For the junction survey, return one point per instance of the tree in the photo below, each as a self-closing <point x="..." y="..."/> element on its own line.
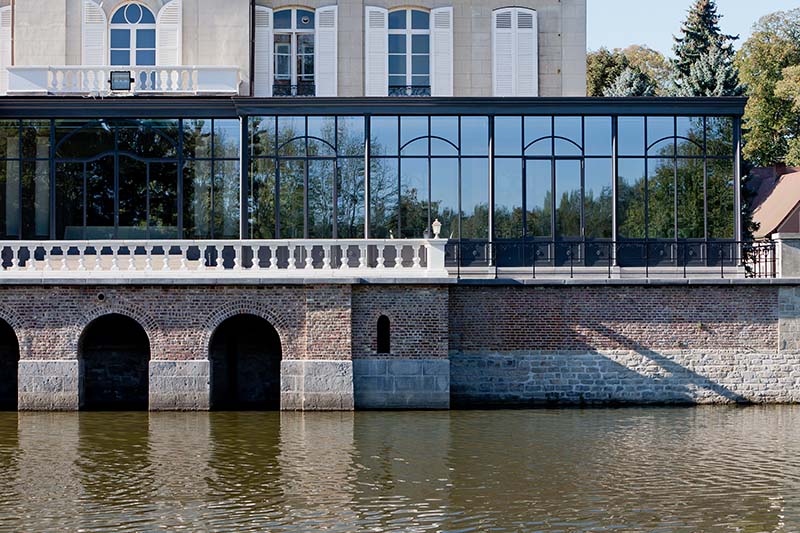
<point x="771" y="121"/>
<point x="653" y="64"/>
<point x="788" y="89"/>
<point x="603" y="67"/>
<point x="632" y="82"/>
<point x="714" y="74"/>
<point x="700" y="32"/>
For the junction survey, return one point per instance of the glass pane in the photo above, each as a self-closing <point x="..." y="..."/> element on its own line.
<point x="351" y="136"/>
<point x="197" y="138"/>
<point x="538" y="198"/>
<point x="283" y="19"/>
<point x="475" y="136"/>
<point x="147" y="17"/>
<point x="631" y="192"/>
<point x="163" y="200"/>
<point x="397" y="64"/>
<point x="350" y="198"/>
<point x="35" y="199"/>
<point x="719" y="132"/>
<point x="414" y="128"/>
<point x="413" y="197"/>
<point x="305" y="19"/>
<point x="420" y="44"/>
<point x="226" y="200"/>
<point x="397" y="44"/>
<point x="385" y="135"/>
<point x="292" y="199"/>
<point x="100" y="199"/>
<point x="35" y="139"/>
<point x="690" y="136"/>
<point x="661" y="198"/>
<point x="508" y="198"/>
<point x="122" y="38"/>
<point x="69" y="200"/>
<point x="421" y="81"/>
<point x="226" y="138"/>
<point x="631" y="136"/>
<point x="121" y="57"/>
<point x="10" y="191"/>
<point x="475" y="199"/>
<point x="197" y="199"/>
<point x="397" y="20"/>
<point x="598" y="135"/>
<point x="569" y="130"/>
<point x="691" y="199"/>
<point x="119" y="17"/>
<point x="262" y="199"/>
<point x="9" y="138"/>
<point x="538" y="133"/>
<point x="148" y="138"/>
<point x="262" y="136"/>
<point x="397" y="81"/>
<point x="291" y="136"/>
<point x="508" y="135"/>
<point x="323" y="129"/>
<point x="721" y="212"/>
<point x="420" y="64"/>
<point x="444" y="195"/>
<point x="79" y="139"/>
<point x="420" y="20"/>
<point x="384" y="196"/>
<point x="132" y="199"/>
<point x="598" y="198"/>
<point x="145" y="39"/>
<point x="133" y="14"/>
<point x="446" y="128"/>
<point x="568" y="198"/>
<point x="660" y="131"/>
<point x="320" y="199"/>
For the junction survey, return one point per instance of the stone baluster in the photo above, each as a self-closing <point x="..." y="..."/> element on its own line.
<point x="184" y="255"/>
<point x="220" y="266"/>
<point x="203" y="249"/>
<point x="165" y="263"/>
<point x="148" y="258"/>
<point x="30" y="265"/>
<point x="362" y="258"/>
<point x="273" y="257"/>
<point x="131" y="258"/>
<point x="398" y="257"/>
<point x="82" y="257"/>
<point x="114" y="257"/>
<point x="98" y="257"/>
<point x="64" y="255"/>
<point x="237" y="257"/>
<point x="292" y="259"/>
<point x="417" y="259"/>
<point x="345" y="257"/>
<point x="309" y="258"/>
<point x="48" y="253"/>
<point x="256" y="257"/>
<point x="326" y="257"/>
<point x="14" y="257"/>
<point x="381" y="259"/>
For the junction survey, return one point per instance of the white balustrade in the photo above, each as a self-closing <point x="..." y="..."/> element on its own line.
<point x="221" y="259"/>
<point x="91" y="80"/>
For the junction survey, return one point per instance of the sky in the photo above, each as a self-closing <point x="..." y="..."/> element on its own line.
<point x="620" y="23"/>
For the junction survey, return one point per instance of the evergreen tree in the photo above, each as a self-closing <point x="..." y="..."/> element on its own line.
<point x="632" y="82"/>
<point x="713" y="74"/>
<point x="603" y="67"/>
<point x="700" y="32"/>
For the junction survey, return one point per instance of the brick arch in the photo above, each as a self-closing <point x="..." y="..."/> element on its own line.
<point x="134" y="312"/>
<point x="281" y="324"/>
<point x="18" y="326"/>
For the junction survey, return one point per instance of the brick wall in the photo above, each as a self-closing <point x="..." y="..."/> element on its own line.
<point x="632" y="317"/>
<point x="418" y="318"/>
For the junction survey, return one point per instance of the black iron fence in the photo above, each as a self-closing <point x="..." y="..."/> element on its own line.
<point x="409" y="90"/>
<point x="301" y="89"/>
<point x="603" y="258"/>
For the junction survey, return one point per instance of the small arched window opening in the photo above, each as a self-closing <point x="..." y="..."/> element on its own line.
<point x="384" y="335"/>
<point x="133" y="36"/>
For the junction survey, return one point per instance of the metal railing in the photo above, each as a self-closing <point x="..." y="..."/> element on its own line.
<point x="301" y="89"/>
<point x="624" y="259"/>
<point x="400" y="258"/>
<point x="409" y="90"/>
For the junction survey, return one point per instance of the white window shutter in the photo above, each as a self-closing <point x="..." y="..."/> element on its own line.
<point x="5" y="47"/>
<point x="442" y="52"/>
<point x="94" y="31"/>
<point x="326" y="51"/>
<point x="527" y="53"/>
<point x="169" y="38"/>
<point x="503" y="64"/>
<point x="376" y="52"/>
<point x="263" y="53"/>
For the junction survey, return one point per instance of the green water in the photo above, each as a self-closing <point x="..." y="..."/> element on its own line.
<point x="703" y="469"/>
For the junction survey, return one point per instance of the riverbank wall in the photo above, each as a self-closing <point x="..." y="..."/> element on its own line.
<point x="400" y="344"/>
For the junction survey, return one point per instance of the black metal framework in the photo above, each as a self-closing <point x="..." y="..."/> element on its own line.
<point x="410" y="90"/>
<point x="247" y="163"/>
<point x="301" y="89"/>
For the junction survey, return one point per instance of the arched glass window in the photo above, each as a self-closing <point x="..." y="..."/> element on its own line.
<point x="133" y="36"/>
<point x="294" y="52"/>
<point x="409" y="53"/>
<point x="384" y="335"/>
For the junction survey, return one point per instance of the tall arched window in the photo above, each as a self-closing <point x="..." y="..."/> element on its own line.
<point x="384" y="335"/>
<point x="409" y="53"/>
<point x="133" y="36"/>
<point x="294" y="52"/>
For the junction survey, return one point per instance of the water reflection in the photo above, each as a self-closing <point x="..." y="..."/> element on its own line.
<point x="720" y="469"/>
